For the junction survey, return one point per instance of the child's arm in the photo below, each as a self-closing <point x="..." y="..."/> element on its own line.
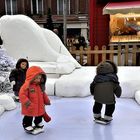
<point x="46" y="99"/>
<point x="12" y="76"/>
<point x="24" y="97"/>
<point x="118" y="90"/>
<point x="92" y="85"/>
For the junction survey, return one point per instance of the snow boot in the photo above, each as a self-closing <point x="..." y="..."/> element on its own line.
<point x="101" y="121"/>
<point x="29" y="129"/>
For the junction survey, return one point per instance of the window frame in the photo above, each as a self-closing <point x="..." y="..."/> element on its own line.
<point x="61" y="3"/>
<point x="11" y="11"/>
<point x="37" y="10"/>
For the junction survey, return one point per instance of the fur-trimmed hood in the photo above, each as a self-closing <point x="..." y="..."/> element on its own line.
<point x="32" y="72"/>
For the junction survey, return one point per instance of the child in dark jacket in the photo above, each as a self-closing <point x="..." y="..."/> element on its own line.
<point x="17" y="76"/>
<point x="104" y="88"/>
<point x="33" y="100"/>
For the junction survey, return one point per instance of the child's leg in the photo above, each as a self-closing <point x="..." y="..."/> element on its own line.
<point x="38" y="125"/>
<point x="38" y="121"/>
<point x="97" y="110"/>
<point x="27" y="123"/>
<point x="109" y="111"/>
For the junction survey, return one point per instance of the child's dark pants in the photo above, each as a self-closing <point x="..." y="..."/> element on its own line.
<point x="109" y="109"/>
<point x="27" y="121"/>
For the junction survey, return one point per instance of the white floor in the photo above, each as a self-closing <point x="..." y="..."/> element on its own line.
<point x="72" y="119"/>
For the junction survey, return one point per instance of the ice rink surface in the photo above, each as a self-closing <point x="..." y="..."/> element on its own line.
<point x="72" y="119"/>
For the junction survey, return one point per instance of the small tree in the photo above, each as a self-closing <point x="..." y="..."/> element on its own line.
<point x="6" y="64"/>
<point x="49" y="24"/>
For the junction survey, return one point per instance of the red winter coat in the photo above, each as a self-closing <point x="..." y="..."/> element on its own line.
<point x="32" y="97"/>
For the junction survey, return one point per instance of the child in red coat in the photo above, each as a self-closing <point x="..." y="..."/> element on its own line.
<point x="33" y="100"/>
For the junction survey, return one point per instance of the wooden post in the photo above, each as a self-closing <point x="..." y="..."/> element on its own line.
<point x="88" y="56"/>
<point x="103" y="53"/>
<point x="126" y="55"/>
<point x="111" y="54"/>
<point x="134" y="55"/>
<point x="96" y="57"/>
<point x="78" y="54"/>
<point x="81" y="55"/>
<point x="119" y="55"/>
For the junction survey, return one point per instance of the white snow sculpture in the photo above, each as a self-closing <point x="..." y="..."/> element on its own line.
<point x="7" y="102"/>
<point x="129" y="78"/>
<point x="137" y="96"/>
<point x="22" y="37"/>
<point x="75" y="84"/>
<point x="1" y="110"/>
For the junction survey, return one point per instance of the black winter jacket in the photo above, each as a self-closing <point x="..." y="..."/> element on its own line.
<point x="18" y="75"/>
<point x="105" y="84"/>
<point x="104" y="88"/>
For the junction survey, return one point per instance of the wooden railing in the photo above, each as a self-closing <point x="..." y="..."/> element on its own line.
<point x="122" y="55"/>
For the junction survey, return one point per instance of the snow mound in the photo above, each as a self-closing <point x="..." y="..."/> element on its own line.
<point x="33" y="42"/>
<point x="75" y="84"/>
<point x="59" y="67"/>
<point x="137" y="96"/>
<point x="7" y="102"/>
<point x="1" y="110"/>
<point x="129" y="78"/>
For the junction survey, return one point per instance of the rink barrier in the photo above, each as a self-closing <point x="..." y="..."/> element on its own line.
<point x="122" y="55"/>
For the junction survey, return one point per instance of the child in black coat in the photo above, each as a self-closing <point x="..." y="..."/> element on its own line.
<point x="18" y="75"/>
<point x="104" y="88"/>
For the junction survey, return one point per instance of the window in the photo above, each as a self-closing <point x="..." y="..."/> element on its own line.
<point x="11" y="7"/>
<point x="37" y="6"/>
<point x="60" y="6"/>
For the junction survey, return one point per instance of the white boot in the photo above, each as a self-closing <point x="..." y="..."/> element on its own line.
<point x="108" y="118"/>
<point x="37" y="130"/>
<point x="96" y="116"/>
<point x="29" y="129"/>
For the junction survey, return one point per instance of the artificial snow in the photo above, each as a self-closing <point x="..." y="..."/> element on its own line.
<point x="7" y="102"/>
<point x="1" y="110"/>
<point x="55" y="67"/>
<point x="129" y="78"/>
<point x="50" y="86"/>
<point x="34" y="42"/>
<point x="137" y="96"/>
<point x="77" y="83"/>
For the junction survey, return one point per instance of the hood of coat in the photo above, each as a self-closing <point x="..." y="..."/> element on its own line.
<point x="106" y="67"/>
<point x="113" y="65"/>
<point x="32" y="72"/>
<point x="20" y="61"/>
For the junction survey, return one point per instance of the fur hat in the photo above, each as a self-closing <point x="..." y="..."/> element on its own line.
<point x="106" y="67"/>
<point x="113" y="65"/>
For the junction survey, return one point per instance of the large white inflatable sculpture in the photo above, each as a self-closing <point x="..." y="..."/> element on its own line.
<point x="22" y="37"/>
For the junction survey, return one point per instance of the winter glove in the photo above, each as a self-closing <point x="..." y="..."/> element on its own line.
<point x="13" y="83"/>
<point x="46" y="117"/>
